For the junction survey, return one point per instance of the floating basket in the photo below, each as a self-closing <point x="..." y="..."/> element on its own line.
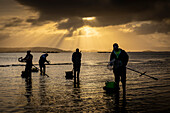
<point x="35" y="69"/>
<point x="69" y="74"/>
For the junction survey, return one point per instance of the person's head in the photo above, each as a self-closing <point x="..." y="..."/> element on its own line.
<point x="46" y="54"/>
<point x="29" y="51"/>
<point x="116" y="46"/>
<point x="77" y="50"/>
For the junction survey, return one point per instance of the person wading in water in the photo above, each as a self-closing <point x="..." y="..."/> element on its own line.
<point x="42" y="63"/>
<point x="76" y="59"/>
<point x="28" y="59"/>
<point x="119" y="59"/>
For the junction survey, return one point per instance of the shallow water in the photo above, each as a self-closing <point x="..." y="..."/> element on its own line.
<point x="56" y="94"/>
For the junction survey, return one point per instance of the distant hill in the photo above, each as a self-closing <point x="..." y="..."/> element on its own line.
<point x="148" y="51"/>
<point x="103" y="52"/>
<point x="33" y="49"/>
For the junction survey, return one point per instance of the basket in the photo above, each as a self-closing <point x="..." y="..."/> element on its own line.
<point x="35" y="69"/>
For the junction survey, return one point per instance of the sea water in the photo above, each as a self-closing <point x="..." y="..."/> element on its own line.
<point x="56" y="94"/>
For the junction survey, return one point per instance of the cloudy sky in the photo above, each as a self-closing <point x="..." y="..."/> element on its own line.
<point x="136" y="25"/>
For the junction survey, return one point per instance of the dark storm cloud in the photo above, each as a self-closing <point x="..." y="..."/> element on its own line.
<point x="35" y="22"/>
<point x="160" y="27"/>
<point x="12" y="22"/>
<point x="71" y="25"/>
<point x="107" y="12"/>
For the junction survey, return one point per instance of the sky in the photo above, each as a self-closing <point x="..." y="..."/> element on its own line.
<point x="90" y="25"/>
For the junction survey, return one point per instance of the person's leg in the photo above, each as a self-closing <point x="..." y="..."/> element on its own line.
<point x="74" y="67"/>
<point x="40" y="65"/>
<point x="28" y="70"/>
<point x="78" y="72"/>
<point x="123" y="80"/>
<point x="124" y="88"/>
<point x="117" y="78"/>
<point x="44" y="69"/>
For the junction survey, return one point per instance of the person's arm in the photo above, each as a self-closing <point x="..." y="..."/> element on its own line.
<point x="25" y="58"/>
<point x="125" y="59"/>
<point x="112" y="59"/>
<point x="47" y="61"/>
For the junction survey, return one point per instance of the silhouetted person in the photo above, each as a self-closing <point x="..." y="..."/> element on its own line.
<point x="42" y="63"/>
<point x="119" y="59"/>
<point x="76" y="59"/>
<point x="28" y="59"/>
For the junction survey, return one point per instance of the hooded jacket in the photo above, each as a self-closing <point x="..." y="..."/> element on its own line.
<point x="122" y="57"/>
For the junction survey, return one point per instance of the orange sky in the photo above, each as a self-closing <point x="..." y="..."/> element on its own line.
<point x="19" y="28"/>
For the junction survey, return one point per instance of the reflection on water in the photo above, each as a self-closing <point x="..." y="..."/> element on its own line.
<point x="77" y="83"/>
<point x="28" y="88"/>
<point x="114" y="103"/>
<point x="56" y="94"/>
<point x="28" y="94"/>
<point x="76" y="98"/>
<point x="42" y="91"/>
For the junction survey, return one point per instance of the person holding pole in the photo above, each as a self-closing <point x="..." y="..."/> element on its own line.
<point x="42" y="63"/>
<point x="76" y="59"/>
<point x="119" y="59"/>
<point x="28" y="59"/>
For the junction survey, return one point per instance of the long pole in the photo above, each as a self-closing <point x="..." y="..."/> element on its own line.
<point x="35" y="66"/>
<point x="38" y="69"/>
<point x="142" y="73"/>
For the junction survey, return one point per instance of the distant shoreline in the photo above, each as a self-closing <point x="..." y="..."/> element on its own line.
<point x="56" y="50"/>
<point x="33" y="49"/>
<point x="135" y="51"/>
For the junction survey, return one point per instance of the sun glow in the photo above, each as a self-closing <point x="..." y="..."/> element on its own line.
<point x="89" y="18"/>
<point x="86" y="31"/>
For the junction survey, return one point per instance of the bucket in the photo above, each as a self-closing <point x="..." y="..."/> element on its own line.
<point x="110" y="84"/>
<point x="69" y="74"/>
<point x="23" y="74"/>
<point x="110" y="87"/>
